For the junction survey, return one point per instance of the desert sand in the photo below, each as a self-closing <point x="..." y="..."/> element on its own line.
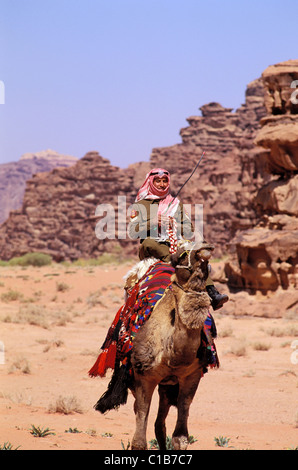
<point x="53" y="321"/>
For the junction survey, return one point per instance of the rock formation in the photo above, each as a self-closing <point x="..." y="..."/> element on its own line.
<point x="247" y="183"/>
<point x="265" y="256"/>
<point x="54" y="158"/>
<point x="280" y="126"/>
<point x="57" y="216"/>
<point x="229" y="173"/>
<point x="13" y="176"/>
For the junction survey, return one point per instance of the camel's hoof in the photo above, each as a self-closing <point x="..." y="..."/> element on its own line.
<point x="138" y="446"/>
<point x="180" y="443"/>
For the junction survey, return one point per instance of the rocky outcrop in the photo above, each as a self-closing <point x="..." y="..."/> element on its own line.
<point x="265" y="257"/>
<point x="230" y="174"/>
<point x="13" y="176"/>
<point x="280" y="125"/>
<point x="58" y="212"/>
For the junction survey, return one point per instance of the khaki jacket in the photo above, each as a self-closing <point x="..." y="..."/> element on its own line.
<point x="143" y="215"/>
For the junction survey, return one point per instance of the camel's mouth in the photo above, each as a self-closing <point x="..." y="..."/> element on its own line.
<point x="205" y="254"/>
<point x="205" y="251"/>
<point x="192" y="253"/>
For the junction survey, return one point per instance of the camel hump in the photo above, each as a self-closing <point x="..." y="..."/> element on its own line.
<point x="142" y="269"/>
<point x="136" y="273"/>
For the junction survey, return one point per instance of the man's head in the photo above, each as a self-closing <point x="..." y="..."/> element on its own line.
<point x="156" y="185"/>
<point x="159" y="179"/>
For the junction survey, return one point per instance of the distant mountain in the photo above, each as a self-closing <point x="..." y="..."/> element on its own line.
<point x="55" y="158"/>
<point x="13" y="176"/>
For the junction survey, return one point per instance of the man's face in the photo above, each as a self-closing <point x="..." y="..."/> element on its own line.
<point x="161" y="183"/>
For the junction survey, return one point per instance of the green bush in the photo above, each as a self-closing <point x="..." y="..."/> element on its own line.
<point x="11" y="296"/>
<point x="106" y="258"/>
<point x="31" y="259"/>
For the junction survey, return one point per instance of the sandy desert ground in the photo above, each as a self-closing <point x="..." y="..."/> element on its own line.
<point x="53" y="321"/>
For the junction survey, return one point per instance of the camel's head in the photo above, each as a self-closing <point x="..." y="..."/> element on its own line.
<point x="191" y="264"/>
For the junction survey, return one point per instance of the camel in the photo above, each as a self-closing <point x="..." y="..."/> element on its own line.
<point x="166" y="349"/>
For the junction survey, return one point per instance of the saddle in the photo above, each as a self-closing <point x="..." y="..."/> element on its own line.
<point x="145" y="285"/>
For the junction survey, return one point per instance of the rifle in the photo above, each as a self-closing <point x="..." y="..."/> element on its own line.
<point x="186" y="181"/>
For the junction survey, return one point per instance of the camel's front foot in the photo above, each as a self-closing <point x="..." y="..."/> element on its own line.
<point x="138" y="444"/>
<point x="180" y="442"/>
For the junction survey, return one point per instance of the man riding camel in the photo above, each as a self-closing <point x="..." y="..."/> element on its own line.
<point x="160" y="222"/>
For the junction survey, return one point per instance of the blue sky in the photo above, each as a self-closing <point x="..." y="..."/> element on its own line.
<point x="122" y="76"/>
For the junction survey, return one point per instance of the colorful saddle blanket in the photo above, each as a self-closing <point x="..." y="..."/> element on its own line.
<point x="134" y="313"/>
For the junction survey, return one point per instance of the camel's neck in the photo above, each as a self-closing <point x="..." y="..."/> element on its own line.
<point x="191" y="310"/>
<point x="192" y="304"/>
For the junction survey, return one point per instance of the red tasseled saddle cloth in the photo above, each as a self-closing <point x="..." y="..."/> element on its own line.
<point x="133" y="314"/>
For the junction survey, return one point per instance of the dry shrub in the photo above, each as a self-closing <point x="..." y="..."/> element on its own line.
<point x="238" y="350"/>
<point x="66" y="406"/>
<point x="62" y="286"/>
<point x="20" y="364"/>
<point x="11" y="296"/>
<point x="39" y="316"/>
<point x="95" y="298"/>
<point x="259" y="346"/>
<point x="226" y="332"/>
<point x="278" y="332"/>
<point x="33" y="315"/>
<point x="56" y="343"/>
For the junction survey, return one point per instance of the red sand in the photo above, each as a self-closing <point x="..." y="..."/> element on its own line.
<point x="251" y="399"/>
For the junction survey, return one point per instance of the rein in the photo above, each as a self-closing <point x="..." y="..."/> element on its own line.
<point x="187" y="291"/>
<point x="175" y="282"/>
<point x="189" y="266"/>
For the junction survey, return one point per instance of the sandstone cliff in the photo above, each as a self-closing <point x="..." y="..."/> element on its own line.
<point x="57" y="215"/>
<point x="13" y="176"/>
<point x="265" y="256"/>
<point x="229" y="174"/>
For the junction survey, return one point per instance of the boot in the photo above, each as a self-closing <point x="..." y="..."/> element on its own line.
<point x="217" y="299"/>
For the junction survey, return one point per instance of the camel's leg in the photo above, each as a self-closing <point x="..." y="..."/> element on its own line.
<point x="160" y="423"/>
<point x="187" y="391"/>
<point x="143" y="394"/>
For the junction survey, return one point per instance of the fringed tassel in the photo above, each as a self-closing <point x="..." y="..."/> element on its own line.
<point x="99" y="367"/>
<point x="210" y="333"/>
<point x="111" y="356"/>
<point x="172" y="232"/>
<point x="116" y="393"/>
<point x="106" y="360"/>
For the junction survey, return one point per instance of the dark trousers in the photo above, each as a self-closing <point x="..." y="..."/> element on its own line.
<point x="160" y="250"/>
